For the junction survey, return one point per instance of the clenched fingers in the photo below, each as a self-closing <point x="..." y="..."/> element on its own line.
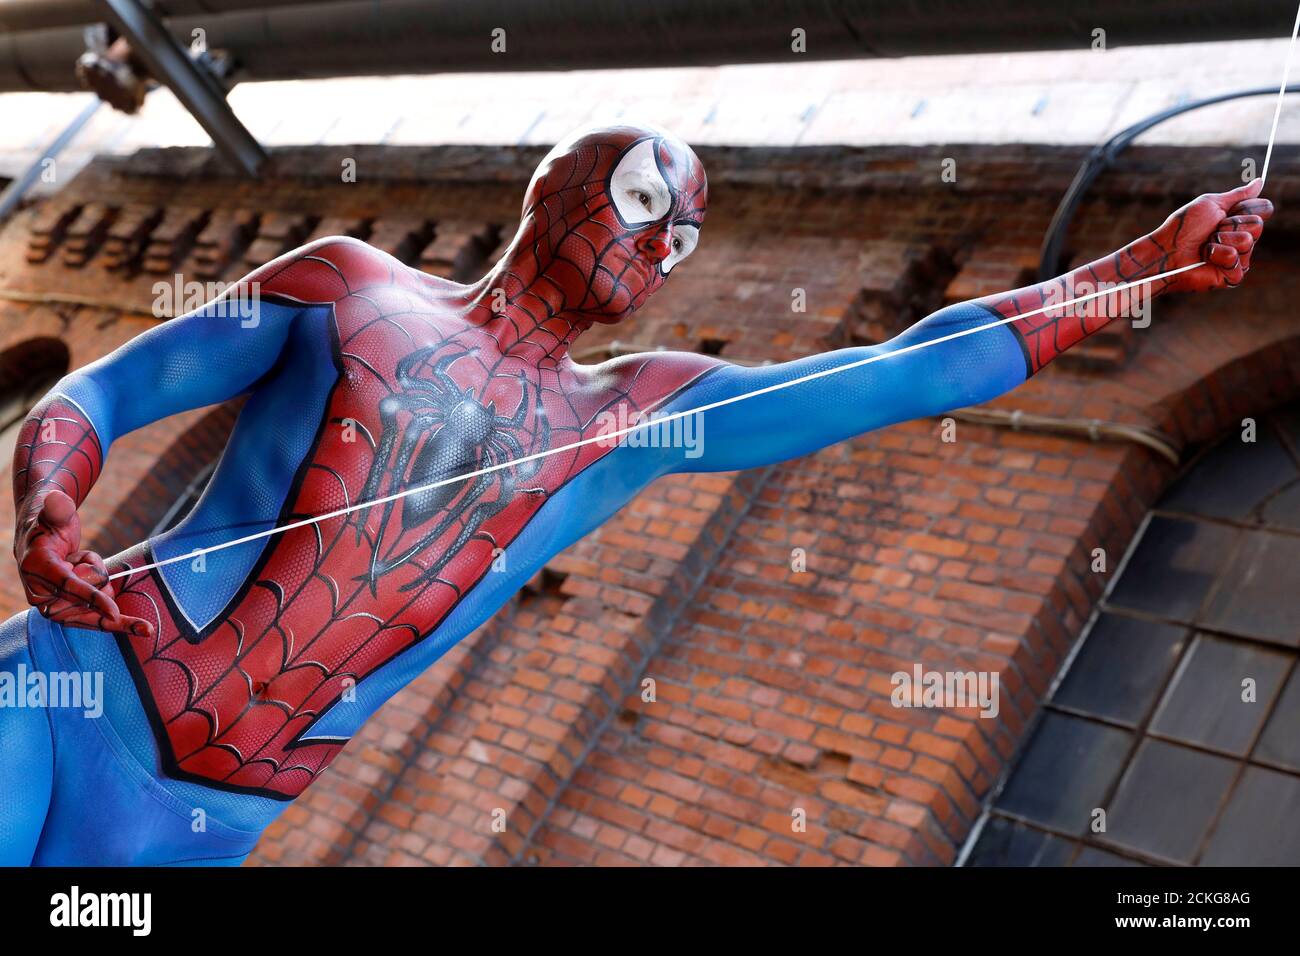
<point x="1253" y="207"/>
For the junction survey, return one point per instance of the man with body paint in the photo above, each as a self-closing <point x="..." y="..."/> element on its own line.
<point x="234" y="675"/>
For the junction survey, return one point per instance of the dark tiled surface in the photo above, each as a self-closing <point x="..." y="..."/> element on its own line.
<point x="1260" y="827"/>
<point x="1283" y="509"/>
<point x="1167" y="800"/>
<point x="1204" y="704"/>
<point x="1121" y="668"/>
<point x="1094" y="856"/>
<point x="1009" y="843"/>
<point x="1281" y="741"/>
<point x="1231" y="479"/>
<point x="1174" y="566"/>
<point x="1259" y="593"/>
<point x="1220" y="553"/>
<point x="1065" y="773"/>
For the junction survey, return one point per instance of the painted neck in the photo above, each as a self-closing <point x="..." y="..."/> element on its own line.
<point x="533" y="321"/>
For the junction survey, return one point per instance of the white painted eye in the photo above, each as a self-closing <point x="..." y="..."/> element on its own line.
<point x="685" y="238"/>
<point x="637" y="187"/>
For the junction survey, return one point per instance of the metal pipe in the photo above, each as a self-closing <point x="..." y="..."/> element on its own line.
<point x="1094" y="429"/>
<point x="377" y="37"/>
<point x="423" y="36"/>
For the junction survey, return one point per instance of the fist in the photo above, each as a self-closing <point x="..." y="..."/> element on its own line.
<point x="1219" y="229"/>
<point x="64" y="582"/>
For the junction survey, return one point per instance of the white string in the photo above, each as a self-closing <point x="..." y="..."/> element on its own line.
<point x="655" y="422"/>
<point x="1281" y="94"/>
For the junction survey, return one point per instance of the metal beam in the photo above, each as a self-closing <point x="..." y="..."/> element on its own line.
<point x="282" y="40"/>
<point x="197" y="89"/>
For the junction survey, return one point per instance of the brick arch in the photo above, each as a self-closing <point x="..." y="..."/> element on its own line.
<point x="1250" y="372"/>
<point x="1201" y="387"/>
<point x="1244" y="385"/>
<point x="1261" y="385"/>
<point x="31" y="360"/>
<point x="168" y="479"/>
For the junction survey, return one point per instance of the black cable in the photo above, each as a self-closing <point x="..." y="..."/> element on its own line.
<point x="1102" y="157"/>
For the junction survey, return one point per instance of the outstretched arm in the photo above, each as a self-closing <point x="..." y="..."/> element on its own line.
<point x="926" y="379"/>
<point x="210" y="355"/>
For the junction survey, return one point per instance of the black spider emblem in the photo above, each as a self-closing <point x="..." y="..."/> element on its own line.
<point x="449" y="433"/>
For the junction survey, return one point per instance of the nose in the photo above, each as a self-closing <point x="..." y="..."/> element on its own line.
<point x="658" y="243"/>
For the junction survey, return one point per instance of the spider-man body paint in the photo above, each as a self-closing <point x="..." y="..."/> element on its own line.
<point x="235" y="682"/>
<point x="416" y="401"/>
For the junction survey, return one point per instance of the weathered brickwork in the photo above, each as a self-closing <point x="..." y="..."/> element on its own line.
<point x="771" y="690"/>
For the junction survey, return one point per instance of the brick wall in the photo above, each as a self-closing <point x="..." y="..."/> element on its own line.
<point x="771" y="685"/>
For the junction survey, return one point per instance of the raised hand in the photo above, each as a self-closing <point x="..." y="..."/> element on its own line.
<point x="63" y="581"/>
<point x="1219" y="229"/>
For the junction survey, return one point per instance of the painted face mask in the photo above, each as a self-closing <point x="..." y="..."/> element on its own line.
<point x="608" y="215"/>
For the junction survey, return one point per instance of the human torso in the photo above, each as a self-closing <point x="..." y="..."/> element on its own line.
<point x="414" y="394"/>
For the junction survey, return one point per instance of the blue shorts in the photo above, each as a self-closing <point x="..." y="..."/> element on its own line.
<point x="71" y="792"/>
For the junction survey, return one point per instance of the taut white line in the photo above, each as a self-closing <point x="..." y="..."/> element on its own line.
<point x="1281" y="94"/>
<point x="610" y="436"/>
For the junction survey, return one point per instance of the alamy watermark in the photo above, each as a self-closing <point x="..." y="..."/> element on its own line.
<point x="1109" y="301"/>
<point x="634" y="429"/>
<point x="223" y="300"/>
<point x="133" y="911"/>
<point x="76" y="690"/>
<point x="946" y="689"/>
